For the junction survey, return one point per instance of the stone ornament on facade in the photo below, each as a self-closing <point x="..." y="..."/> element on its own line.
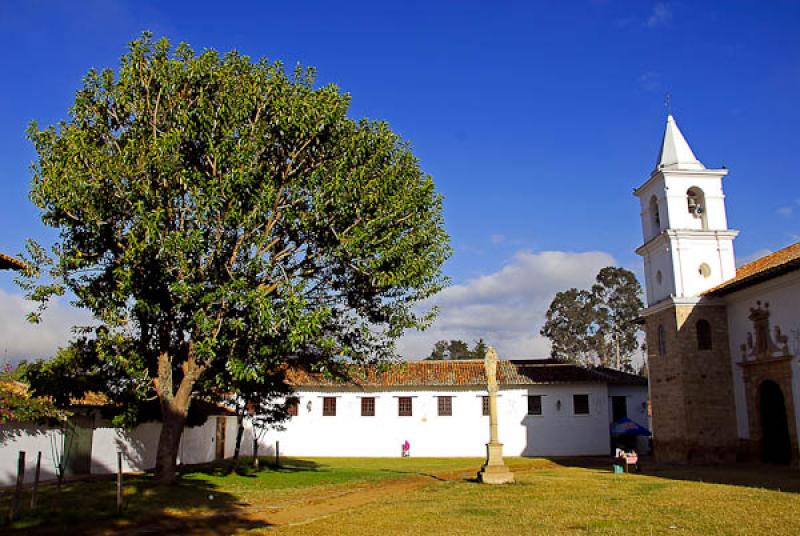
<point x="763" y="346"/>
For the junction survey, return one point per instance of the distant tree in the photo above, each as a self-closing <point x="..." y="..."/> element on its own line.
<point x="459" y="350"/>
<point x="569" y="324"/>
<point x="617" y="299"/>
<point x="597" y="326"/>
<point x="441" y="350"/>
<point x="479" y="350"/>
<point x="456" y="349"/>
<point x="189" y="190"/>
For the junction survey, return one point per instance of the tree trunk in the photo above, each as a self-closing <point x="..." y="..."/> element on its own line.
<point x="239" y="433"/>
<point x="169" y="442"/>
<point x="174" y="409"/>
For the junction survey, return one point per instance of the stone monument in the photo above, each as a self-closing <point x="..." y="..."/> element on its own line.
<point x="494" y="471"/>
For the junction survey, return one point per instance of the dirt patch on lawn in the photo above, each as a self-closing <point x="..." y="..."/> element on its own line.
<point x="320" y="504"/>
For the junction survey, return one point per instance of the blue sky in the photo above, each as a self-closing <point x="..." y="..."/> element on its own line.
<point x="536" y="119"/>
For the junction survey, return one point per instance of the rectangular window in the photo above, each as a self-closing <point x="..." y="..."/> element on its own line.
<point x="404" y="406"/>
<point x="619" y="408"/>
<point x="293" y="407"/>
<point x="485" y="405"/>
<point x="368" y="407"/>
<point x="445" y="406"/>
<point x="329" y="406"/>
<point x="534" y="404"/>
<point x="580" y="404"/>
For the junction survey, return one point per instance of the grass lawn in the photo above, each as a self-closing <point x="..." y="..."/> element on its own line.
<point x="208" y="490"/>
<point x="579" y="500"/>
<point x="434" y="496"/>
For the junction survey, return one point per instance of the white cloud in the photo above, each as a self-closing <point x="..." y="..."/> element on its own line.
<point x="19" y="339"/>
<point x="506" y="307"/>
<point x="497" y="239"/>
<point x="786" y="212"/>
<point x="660" y="16"/>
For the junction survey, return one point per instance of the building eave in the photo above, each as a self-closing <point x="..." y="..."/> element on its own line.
<point x="720" y="172"/>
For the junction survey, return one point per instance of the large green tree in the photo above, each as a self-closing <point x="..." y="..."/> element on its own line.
<point x="197" y="196"/>
<point x="597" y="326"/>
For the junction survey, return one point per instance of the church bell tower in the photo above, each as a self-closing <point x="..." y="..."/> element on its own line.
<point x="687" y="250"/>
<point x="688" y="247"/>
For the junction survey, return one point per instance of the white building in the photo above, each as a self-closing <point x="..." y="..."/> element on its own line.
<point x="545" y="409"/>
<point x="723" y="343"/>
<point x="88" y="444"/>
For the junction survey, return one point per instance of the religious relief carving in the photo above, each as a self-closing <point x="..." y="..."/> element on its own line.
<point x="763" y="346"/>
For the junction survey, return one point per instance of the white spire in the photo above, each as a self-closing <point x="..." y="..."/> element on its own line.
<point x="675" y="151"/>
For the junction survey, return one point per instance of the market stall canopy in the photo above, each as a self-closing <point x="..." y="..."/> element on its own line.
<point x="625" y="426"/>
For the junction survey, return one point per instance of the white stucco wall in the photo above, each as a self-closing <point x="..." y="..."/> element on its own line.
<point x="557" y="432"/>
<point x="138" y="446"/>
<point x="783" y="295"/>
<point x="31" y="439"/>
<point x="691" y="241"/>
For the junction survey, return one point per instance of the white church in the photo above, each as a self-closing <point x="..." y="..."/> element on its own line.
<point x="723" y="343"/>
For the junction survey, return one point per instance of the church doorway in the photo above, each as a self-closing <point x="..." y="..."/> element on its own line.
<point x="775" y="444"/>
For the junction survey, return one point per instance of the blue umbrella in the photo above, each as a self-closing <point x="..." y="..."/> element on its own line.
<point x="625" y="426"/>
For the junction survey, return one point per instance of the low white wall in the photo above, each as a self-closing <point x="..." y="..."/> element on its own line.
<point x="31" y="439"/>
<point x="138" y="446"/>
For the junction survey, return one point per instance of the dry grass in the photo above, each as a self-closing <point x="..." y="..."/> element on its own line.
<point x="435" y="496"/>
<point x="561" y="499"/>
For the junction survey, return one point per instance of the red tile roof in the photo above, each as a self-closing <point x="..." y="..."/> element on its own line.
<point x="781" y="262"/>
<point x="464" y="373"/>
<point x="10" y="263"/>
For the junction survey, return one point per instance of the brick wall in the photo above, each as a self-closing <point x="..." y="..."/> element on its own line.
<point x="694" y="414"/>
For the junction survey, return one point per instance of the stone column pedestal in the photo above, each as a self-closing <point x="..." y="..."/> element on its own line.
<point x="495" y="471"/>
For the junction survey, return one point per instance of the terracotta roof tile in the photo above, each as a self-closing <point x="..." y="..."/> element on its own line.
<point x="459" y="373"/>
<point x="772" y="265"/>
<point x="90" y="399"/>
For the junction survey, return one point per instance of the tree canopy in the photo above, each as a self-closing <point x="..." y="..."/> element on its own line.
<point x="597" y="326"/>
<point x="18" y="406"/>
<point x="201" y="196"/>
<point x="457" y="349"/>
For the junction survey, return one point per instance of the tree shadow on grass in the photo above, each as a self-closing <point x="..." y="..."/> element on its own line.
<point x="246" y="468"/>
<point x="90" y="506"/>
<point x="753" y="475"/>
